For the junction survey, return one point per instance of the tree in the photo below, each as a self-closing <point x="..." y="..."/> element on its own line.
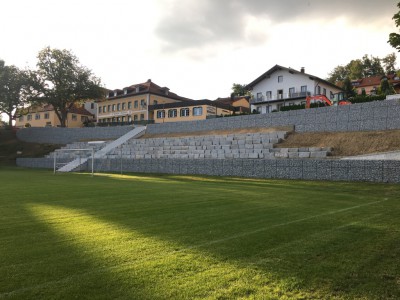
<point x="239" y="90"/>
<point x="62" y="82"/>
<point x="13" y="85"/>
<point x="372" y="66"/>
<point x="348" y="88"/>
<point x="360" y="68"/>
<point x="386" y="88"/>
<point x="339" y="73"/>
<point x="389" y="63"/>
<point x="394" y="38"/>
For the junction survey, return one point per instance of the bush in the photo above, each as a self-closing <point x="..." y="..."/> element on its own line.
<point x="369" y="98"/>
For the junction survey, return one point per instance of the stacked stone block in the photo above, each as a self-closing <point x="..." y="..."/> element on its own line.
<point x="377" y="115"/>
<point x="311" y="169"/>
<point x="62" y="136"/>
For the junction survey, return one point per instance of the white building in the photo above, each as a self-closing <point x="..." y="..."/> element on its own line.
<point x="282" y="86"/>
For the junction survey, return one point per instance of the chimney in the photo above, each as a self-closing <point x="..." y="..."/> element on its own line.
<point x="302" y="70"/>
<point x="149" y="80"/>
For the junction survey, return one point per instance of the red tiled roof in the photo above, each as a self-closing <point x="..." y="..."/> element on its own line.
<point x="79" y="110"/>
<point x="145" y="88"/>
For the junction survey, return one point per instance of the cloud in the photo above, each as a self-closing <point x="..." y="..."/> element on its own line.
<point x="193" y="25"/>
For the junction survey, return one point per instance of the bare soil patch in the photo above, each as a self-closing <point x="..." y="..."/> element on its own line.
<point x="346" y="143"/>
<point x="220" y="132"/>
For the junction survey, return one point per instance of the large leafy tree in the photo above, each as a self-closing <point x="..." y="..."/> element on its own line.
<point x="389" y="63"/>
<point x="394" y="38"/>
<point x="365" y="67"/>
<point x="13" y="86"/>
<point x="60" y="80"/>
<point x="239" y="90"/>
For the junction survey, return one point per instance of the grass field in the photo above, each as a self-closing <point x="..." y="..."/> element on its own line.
<point x="71" y="236"/>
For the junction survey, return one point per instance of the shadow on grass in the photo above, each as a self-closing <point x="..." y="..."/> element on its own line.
<point x="287" y="237"/>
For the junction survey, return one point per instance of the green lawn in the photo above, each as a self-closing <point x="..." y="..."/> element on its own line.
<point x="179" y="237"/>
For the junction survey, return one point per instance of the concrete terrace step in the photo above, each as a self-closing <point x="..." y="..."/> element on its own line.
<point x="136" y="132"/>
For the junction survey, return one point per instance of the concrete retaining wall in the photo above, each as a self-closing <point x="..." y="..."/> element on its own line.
<point x="56" y="135"/>
<point x="306" y="169"/>
<point x="378" y="115"/>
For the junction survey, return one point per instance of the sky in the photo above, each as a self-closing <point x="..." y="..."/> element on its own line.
<point x="197" y="48"/>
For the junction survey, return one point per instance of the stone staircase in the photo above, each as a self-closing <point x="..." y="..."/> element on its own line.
<point x="251" y="145"/>
<point x="136" y="132"/>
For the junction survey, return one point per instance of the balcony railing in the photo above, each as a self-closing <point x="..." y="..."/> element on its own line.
<point x="285" y="96"/>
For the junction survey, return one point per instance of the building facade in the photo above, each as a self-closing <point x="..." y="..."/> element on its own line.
<point x="131" y="104"/>
<point x="281" y="86"/>
<point x="45" y="116"/>
<point x="370" y="85"/>
<point x="190" y="111"/>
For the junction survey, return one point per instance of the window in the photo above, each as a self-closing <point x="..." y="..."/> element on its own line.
<point x="135" y="118"/>
<point x="324" y="91"/>
<point x="172" y="113"/>
<point x="21" y="118"/>
<point x="318" y="91"/>
<point x="136" y="104"/>
<point x="331" y="95"/>
<point x="259" y="97"/>
<point x="123" y="106"/>
<point x="113" y="107"/>
<point x="142" y="103"/>
<point x="92" y="105"/>
<point x="119" y="106"/>
<point x="185" y="112"/>
<point x="46" y="115"/>
<point x="160" y="114"/>
<point x="100" y="108"/>
<point x="129" y="119"/>
<point x="291" y="92"/>
<point x="74" y="117"/>
<point x="129" y="105"/>
<point x="108" y="108"/>
<point x="269" y="95"/>
<point x="197" y="111"/>
<point x="141" y="117"/>
<point x="37" y="116"/>
<point x="29" y="117"/>
<point x="155" y="102"/>
<point x="280" y="94"/>
<point x="280" y="78"/>
<point x="84" y="119"/>
<point x="303" y="88"/>
<point x="122" y="119"/>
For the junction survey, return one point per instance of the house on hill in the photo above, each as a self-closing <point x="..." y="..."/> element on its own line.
<point x="192" y="110"/>
<point x="131" y="104"/>
<point x="370" y="85"/>
<point x="281" y="86"/>
<point x="240" y="103"/>
<point x="45" y="116"/>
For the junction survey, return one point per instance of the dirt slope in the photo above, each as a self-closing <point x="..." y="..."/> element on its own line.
<point x="347" y="143"/>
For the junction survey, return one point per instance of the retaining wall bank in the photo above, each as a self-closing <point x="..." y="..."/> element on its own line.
<point x="377" y="115"/>
<point x="57" y="135"/>
<point x="305" y="169"/>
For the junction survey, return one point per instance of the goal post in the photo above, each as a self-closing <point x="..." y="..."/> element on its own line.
<point x="90" y="151"/>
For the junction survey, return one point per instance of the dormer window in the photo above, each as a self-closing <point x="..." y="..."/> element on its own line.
<point x="115" y="93"/>
<point x="137" y="89"/>
<point x="125" y="91"/>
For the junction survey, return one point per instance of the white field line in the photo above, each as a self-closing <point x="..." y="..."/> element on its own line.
<point x="128" y="264"/>
<point x="284" y="224"/>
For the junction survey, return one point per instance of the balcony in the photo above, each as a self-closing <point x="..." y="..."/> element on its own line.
<point x="277" y="97"/>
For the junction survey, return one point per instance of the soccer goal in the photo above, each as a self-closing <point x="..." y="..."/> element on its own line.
<point x="79" y="157"/>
